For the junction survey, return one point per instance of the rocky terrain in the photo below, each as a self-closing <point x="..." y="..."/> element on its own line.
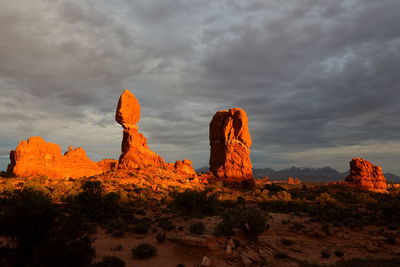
<point x="66" y="210"/>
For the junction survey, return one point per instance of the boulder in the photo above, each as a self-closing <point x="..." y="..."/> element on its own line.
<point x="230" y="145"/>
<point x="108" y="164"/>
<point x="184" y="167"/>
<point x="365" y="175"/>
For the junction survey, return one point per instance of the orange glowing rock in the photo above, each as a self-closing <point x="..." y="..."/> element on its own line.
<point x="365" y="175"/>
<point x="292" y="180"/>
<point x="230" y="145"/>
<point x="128" y="110"/>
<point x="184" y="167"/>
<point x="37" y="157"/>
<point x="107" y="165"/>
<point x="135" y="152"/>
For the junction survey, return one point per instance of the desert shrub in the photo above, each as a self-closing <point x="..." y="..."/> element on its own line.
<point x="296" y="226"/>
<point x="282" y="195"/>
<point x="339" y="253"/>
<point x="141" y="228"/>
<point x="39" y="233"/>
<point x="240" y="200"/>
<point x="144" y="251"/>
<point x="224" y="228"/>
<point x="286" y="206"/>
<point x="251" y="221"/>
<point x="325" y="198"/>
<point x="160" y="237"/>
<point x="287" y="242"/>
<point x="325" y="254"/>
<point x="274" y="188"/>
<point x="195" y="203"/>
<point x="326" y="229"/>
<point x="35" y="185"/>
<point x="94" y="204"/>
<point x="166" y="225"/>
<point x="115" y="224"/>
<point x="197" y="228"/>
<point x="110" y="261"/>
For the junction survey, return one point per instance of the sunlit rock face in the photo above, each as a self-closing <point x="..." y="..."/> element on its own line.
<point x="230" y="145"/>
<point x="36" y="157"/>
<point x="107" y="165"/>
<point x="184" y="167"/>
<point x="135" y="152"/>
<point x="365" y="175"/>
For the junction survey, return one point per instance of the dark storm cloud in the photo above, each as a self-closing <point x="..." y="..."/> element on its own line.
<point x="318" y="79"/>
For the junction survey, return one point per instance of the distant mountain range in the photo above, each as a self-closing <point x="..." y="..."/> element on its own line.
<point x="325" y="174"/>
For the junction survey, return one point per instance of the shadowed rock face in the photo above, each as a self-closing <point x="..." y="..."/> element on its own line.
<point x="135" y="152"/>
<point x="230" y="145"/>
<point x="365" y="175"/>
<point x="37" y="157"/>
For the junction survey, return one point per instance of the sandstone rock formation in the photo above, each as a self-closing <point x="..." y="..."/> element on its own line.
<point x="135" y="152"/>
<point x="230" y="145"/>
<point x="36" y="157"/>
<point x="292" y="180"/>
<point x="184" y="167"/>
<point x="107" y="165"/>
<point x="365" y="175"/>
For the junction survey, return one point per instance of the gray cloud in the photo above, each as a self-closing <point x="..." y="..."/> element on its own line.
<point x="319" y="79"/>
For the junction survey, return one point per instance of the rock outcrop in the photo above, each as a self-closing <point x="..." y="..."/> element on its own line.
<point x="107" y="165"/>
<point x="36" y="157"/>
<point x="135" y="152"/>
<point x="230" y="145"/>
<point x="184" y="167"/>
<point x="365" y="175"/>
<point x="292" y="180"/>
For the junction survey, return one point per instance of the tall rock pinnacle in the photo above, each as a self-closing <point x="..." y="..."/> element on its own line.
<point x="230" y="145"/>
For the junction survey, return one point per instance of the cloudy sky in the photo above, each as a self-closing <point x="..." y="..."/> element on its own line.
<point x="319" y="79"/>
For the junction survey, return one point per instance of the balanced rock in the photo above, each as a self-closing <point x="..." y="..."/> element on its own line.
<point x="365" y="175"/>
<point x="230" y="145"/>
<point x="135" y="152"/>
<point x="36" y="157"/>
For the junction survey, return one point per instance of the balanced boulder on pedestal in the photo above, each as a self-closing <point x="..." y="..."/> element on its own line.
<point x="135" y="152"/>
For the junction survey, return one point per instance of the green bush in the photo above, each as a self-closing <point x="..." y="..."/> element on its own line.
<point x="251" y="221"/>
<point x="274" y="188"/>
<point x="224" y="228"/>
<point x="166" y="225"/>
<point x="94" y="204"/>
<point x="144" y="251"/>
<point x="160" y="237"/>
<point x="193" y="202"/>
<point x="197" y="228"/>
<point x="40" y="233"/>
